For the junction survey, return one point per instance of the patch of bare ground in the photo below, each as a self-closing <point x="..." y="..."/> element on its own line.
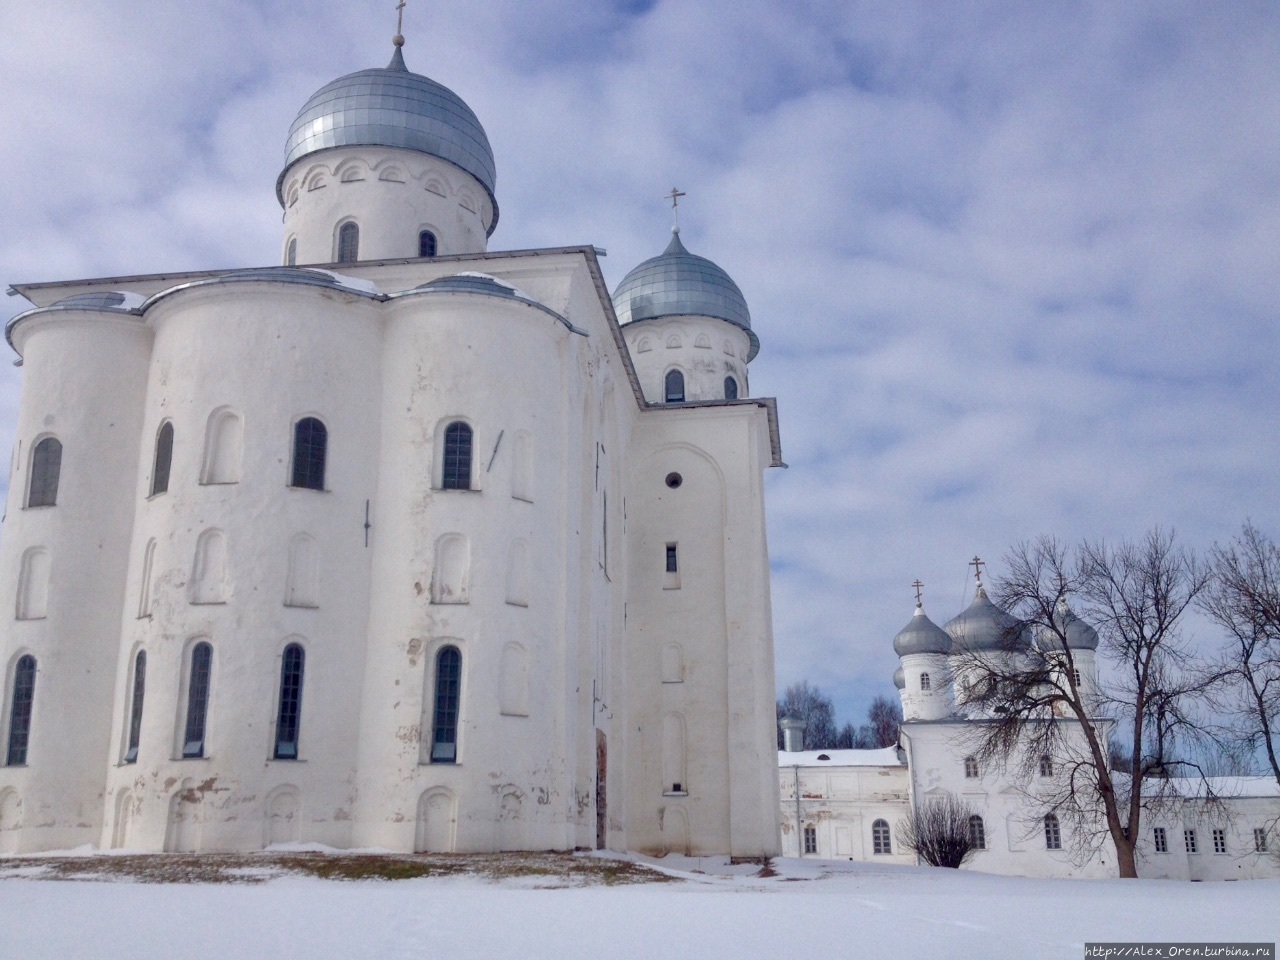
<point x="542" y="869"/>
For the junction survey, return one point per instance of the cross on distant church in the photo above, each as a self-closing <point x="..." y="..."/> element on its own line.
<point x="674" y="196"/>
<point x="977" y="563"/>
<point x="919" y="587"/>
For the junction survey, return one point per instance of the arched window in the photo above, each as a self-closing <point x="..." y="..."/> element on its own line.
<point x="46" y="466"/>
<point x="1046" y="766"/>
<point x="163" y="459"/>
<point x="444" y="722"/>
<point x="135" y="707"/>
<point x="24" y="697"/>
<point x="223" y="447"/>
<point x="880" y="842"/>
<point x="730" y="388"/>
<point x="426" y="243"/>
<point x="197" y="700"/>
<point x="925" y="682"/>
<point x="970" y="768"/>
<point x="1076" y="674"/>
<point x="289" y="719"/>
<point x="291" y="253"/>
<point x="310" y="443"/>
<point x="810" y="838"/>
<point x="1052" y="832"/>
<point x="977" y="833"/>
<point x="674" y="386"/>
<point x="348" y="243"/>
<point x="456" y="472"/>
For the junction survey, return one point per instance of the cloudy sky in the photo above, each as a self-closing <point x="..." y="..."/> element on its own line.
<point x="1015" y="266"/>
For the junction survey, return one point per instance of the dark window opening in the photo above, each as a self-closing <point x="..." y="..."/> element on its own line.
<point x="730" y="388"/>
<point x="24" y="697"/>
<point x="675" y="387"/>
<point x="46" y="466"/>
<point x="348" y="243"/>
<point x="977" y="833"/>
<point x="444" y="727"/>
<point x="881" y="844"/>
<point x="925" y="682"/>
<point x="163" y="459"/>
<point x="289" y="719"/>
<point x="456" y="474"/>
<point x="1052" y="832"/>
<point x="197" y="700"/>
<point x="426" y="244"/>
<point x="135" y="708"/>
<point x="310" y="443"/>
<point x="674" y="480"/>
<point x="810" y="839"/>
<point x="673" y="563"/>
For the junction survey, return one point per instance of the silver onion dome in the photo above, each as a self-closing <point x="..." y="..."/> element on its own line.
<point x="985" y="628"/>
<point x="391" y="107"/>
<point x="680" y="283"/>
<point x="921" y="635"/>
<point x="1080" y="636"/>
<point x="899" y="679"/>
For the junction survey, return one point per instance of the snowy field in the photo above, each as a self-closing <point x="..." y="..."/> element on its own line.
<point x="810" y="909"/>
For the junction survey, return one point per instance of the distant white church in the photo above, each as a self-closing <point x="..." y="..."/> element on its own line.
<point x="401" y="544"/>
<point x="847" y="804"/>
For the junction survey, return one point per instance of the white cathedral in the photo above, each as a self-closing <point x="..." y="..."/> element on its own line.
<point x="401" y="544"/>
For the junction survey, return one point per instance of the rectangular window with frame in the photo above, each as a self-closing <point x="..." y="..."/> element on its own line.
<point x="1161" y="840"/>
<point x="1260" y="839"/>
<point x="1189" y="840"/>
<point x="1219" y="840"/>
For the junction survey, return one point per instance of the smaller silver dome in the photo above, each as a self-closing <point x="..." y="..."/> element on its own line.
<point x="985" y="628"/>
<point x="921" y="635"/>
<point x="679" y="283"/>
<point x="899" y="679"/>
<point x="1080" y="636"/>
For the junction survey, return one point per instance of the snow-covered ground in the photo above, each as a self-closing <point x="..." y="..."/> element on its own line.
<point x="811" y="909"/>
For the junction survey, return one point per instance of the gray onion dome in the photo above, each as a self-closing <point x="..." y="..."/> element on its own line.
<point x="921" y="635"/>
<point x="899" y="679"/>
<point x="1080" y="636"/>
<point x="985" y="628"/>
<point x="679" y="283"/>
<point x="391" y="107"/>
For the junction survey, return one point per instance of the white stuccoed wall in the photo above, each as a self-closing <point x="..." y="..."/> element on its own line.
<point x="705" y="349"/>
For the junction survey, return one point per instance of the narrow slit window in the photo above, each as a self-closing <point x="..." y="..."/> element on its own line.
<point x="444" y="726"/>
<point x="673" y="559"/>
<point x="426" y="244"/>
<point x="291" y="253"/>
<point x="135" y="706"/>
<point x="456" y="472"/>
<point x="348" y="243"/>
<point x="197" y="700"/>
<point x="46" y="468"/>
<point x="310" y="447"/>
<point x="289" y="720"/>
<point x="675" y="386"/>
<point x="730" y="388"/>
<point x="163" y="459"/>
<point x="24" y="698"/>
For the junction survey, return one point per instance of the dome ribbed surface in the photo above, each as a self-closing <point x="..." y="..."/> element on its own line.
<point x="391" y="107"/>
<point x="680" y="283"/>
<point x="985" y="628"/>
<point x="921" y="635"/>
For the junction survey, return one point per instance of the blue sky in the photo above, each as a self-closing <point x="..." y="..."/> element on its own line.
<point x="1015" y="267"/>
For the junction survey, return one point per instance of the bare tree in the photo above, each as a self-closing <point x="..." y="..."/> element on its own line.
<point x="939" y="831"/>
<point x="1244" y="599"/>
<point x="884" y="717"/>
<point x="1046" y="720"/>
<point x="811" y="705"/>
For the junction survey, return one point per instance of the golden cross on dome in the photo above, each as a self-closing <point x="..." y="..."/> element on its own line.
<point x="977" y="564"/>
<point x="919" y="587"/>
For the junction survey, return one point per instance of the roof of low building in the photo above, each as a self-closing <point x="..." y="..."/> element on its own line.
<point x="884" y="757"/>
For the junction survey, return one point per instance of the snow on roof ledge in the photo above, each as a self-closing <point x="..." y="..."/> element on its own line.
<point x="884" y="757"/>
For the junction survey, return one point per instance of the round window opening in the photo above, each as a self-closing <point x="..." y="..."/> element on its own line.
<point x="674" y="480"/>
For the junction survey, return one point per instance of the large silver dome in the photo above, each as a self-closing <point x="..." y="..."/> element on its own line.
<point x="681" y="283"/>
<point x="391" y="107"/>
<point x="985" y="628"/>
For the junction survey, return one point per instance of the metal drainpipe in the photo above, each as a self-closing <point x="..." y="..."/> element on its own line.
<point x="795" y="769"/>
